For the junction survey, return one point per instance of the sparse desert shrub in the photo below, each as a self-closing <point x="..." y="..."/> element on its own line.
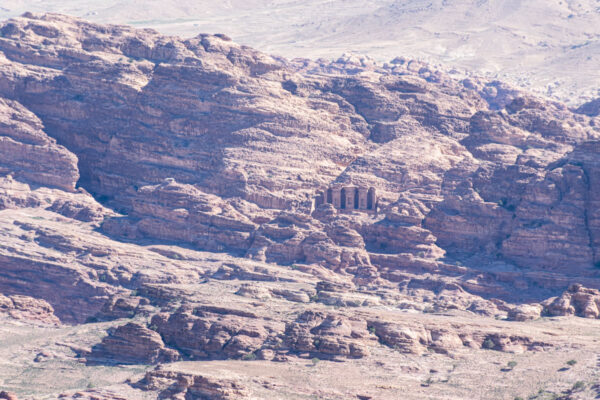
<point x="511" y="364"/>
<point x="578" y="386"/>
<point x="315" y="361"/>
<point x="427" y="382"/>
<point x="249" y="357"/>
<point x="571" y="362"/>
<point x="488" y="344"/>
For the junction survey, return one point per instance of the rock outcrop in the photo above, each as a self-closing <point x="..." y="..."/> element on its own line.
<point x="132" y="344"/>
<point x="178" y="385"/>
<point x="525" y="312"/>
<point x="124" y="307"/>
<point x="181" y="212"/>
<point x="173" y="134"/>
<point x="35" y="171"/>
<point x="8" y="395"/>
<point x="146" y="177"/>
<point x="418" y="338"/>
<point x="328" y="335"/>
<point x="214" y="333"/>
<point x="591" y="108"/>
<point x="28" y="153"/>
<point x="28" y="309"/>
<point x="577" y="300"/>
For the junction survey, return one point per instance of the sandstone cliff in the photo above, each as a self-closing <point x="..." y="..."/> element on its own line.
<point x="206" y="142"/>
<point x="159" y="192"/>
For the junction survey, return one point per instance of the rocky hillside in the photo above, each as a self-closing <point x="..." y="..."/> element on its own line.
<point x="138" y="169"/>
<point x="548" y="46"/>
<point x="212" y="144"/>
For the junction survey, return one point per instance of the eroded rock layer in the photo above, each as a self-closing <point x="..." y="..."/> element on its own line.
<point x="206" y="142"/>
<point x="160" y="193"/>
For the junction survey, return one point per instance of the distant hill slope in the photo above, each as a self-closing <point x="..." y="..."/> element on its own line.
<point x="549" y="46"/>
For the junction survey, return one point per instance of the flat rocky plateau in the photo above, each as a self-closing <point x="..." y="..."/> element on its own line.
<point x="170" y="226"/>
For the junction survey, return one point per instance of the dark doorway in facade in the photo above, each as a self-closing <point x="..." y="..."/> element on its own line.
<point x="371" y="199"/>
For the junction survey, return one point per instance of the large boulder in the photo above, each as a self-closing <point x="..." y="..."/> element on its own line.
<point x="577" y="300"/>
<point x="132" y="344"/>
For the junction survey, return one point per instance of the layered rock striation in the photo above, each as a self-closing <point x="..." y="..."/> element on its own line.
<point x="28" y="309"/>
<point x="205" y="143"/>
<point x="168" y="198"/>
<point x="132" y="344"/>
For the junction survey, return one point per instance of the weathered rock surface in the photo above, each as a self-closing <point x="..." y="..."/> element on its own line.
<point x="591" y="108"/>
<point x="525" y="312"/>
<point x="174" y="134"/>
<point x="328" y="335"/>
<point x="418" y="338"/>
<point x="143" y="175"/>
<point x="132" y="344"/>
<point x="28" y="153"/>
<point x="79" y="205"/>
<point x="29" y="309"/>
<point x="265" y="293"/>
<point x="180" y="212"/>
<point x="215" y="333"/>
<point x="76" y="270"/>
<point x="8" y="395"/>
<point x="37" y="172"/>
<point x="124" y="307"/>
<point x="177" y="385"/>
<point x="577" y="300"/>
<point x="116" y="392"/>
